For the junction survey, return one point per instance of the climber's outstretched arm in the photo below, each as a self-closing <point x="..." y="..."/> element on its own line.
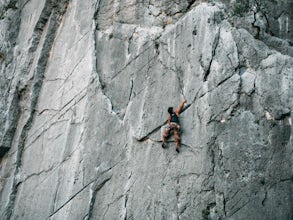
<point x="178" y="110"/>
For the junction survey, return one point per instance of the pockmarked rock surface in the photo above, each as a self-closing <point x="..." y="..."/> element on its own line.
<point x="85" y="87"/>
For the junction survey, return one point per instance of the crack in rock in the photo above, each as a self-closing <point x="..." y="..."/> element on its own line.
<point x="214" y="47"/>
<point x="50" y="15"/>
<point x="98" y="184"/>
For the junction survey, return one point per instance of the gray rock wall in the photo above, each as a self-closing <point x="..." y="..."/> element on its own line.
<point x="269" y="21"/>
<point x="86" y="86"/>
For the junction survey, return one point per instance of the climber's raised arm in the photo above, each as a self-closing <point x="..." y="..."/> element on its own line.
<point x="178" y="110"/>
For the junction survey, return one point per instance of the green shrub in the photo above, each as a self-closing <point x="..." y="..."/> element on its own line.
<point x="2" y="56"/>
<point x="240" y="8"/>
<point x="111" y="36"/>
<point x="205" y="214"/>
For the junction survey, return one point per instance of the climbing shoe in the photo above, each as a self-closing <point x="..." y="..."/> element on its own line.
<point x="163" y="145"/>
<point x="177" y="149"/>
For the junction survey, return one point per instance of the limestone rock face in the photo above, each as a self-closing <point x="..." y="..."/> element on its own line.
<point x="85" y="87"/>
<point x="269" y="21"/>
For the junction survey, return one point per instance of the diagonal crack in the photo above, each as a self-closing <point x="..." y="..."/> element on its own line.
<point x="36" y="174"/>
<point x="214" y="47"/>
<point x="72" y="197"/>
<point x="136" y="57"/>
<point x="96" y="187"/>
<point x="241" y="207"/>
<point x="146" y="137"/>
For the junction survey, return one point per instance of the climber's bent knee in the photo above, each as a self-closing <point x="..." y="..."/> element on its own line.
<point x="177" y="136"/>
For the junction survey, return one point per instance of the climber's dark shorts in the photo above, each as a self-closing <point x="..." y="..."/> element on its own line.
<point x="172" y="127"/>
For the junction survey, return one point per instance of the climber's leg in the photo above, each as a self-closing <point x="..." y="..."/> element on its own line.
<point x="165" y="135"/>
<point x="177" y="137"/>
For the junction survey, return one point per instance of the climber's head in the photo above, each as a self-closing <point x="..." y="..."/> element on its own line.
<point x="170" y="110"/>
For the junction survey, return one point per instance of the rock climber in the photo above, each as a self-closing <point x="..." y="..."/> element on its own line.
<point x="173" y="125"/>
